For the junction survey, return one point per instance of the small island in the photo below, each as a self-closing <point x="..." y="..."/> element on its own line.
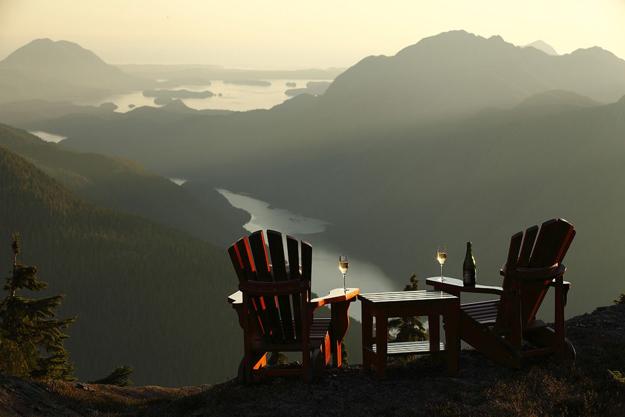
<point x="166" y="96"/>
<point x="314" y="88"/>
<point x="257" y="83"/>
<point x="291" y="84"/>
<point x="108" y="106"/>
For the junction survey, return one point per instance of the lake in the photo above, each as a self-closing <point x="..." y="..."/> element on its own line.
<point x="325" y="274"/>
<point x="237" y="97"/>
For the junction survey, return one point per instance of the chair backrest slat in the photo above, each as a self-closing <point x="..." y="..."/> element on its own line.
<point x="278" y="261"/>
<point x="513" y="250"/>
<point x="294" y="273"/>
<point x="263" y="273"/>
<point x="553" y="238"/>
<point x="278" y="266"/>
<point x="243" y="260"/>
<point x="261" y="258"/>
<point x="237" y="263"/>
<point x="505" y="311"/>
<point x="306" y="261"/>
<point x="528" y="244"/>
<point x="293" y="249"/>
<point x="243" y="247"/>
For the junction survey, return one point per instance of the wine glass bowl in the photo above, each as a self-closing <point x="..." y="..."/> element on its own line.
<point x="343" y="267"/>
<point x="441" y="257"/>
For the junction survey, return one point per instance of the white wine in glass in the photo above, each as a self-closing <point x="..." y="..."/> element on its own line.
<point x="441" y="257"/>
<point x="343" y="266"/>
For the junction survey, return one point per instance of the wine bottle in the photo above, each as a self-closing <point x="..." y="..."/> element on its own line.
<point x="468" y="268"/>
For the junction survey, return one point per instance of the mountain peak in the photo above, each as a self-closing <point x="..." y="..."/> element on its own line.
<point x="453" y="39"/>
<point x="593" y="51"/>
<point x="62" y="70"/>
<point x="45" y="51"/>
<point x="542" y="46"/>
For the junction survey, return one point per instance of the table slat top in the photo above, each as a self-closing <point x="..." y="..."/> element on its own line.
<point x="399" y="296"/>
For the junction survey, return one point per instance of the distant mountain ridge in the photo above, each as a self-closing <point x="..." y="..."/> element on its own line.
<point x="457" y="73"/>
<point x="47" y="69"/>
<point x="436" y="81"/>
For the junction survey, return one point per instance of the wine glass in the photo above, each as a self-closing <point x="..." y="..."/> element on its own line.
<point x="343" y="265"/>
<point x="441" y="257"/>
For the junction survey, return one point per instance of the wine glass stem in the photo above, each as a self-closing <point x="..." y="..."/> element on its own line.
<point x="344" y="288"/>
<point x="442" y="273"/>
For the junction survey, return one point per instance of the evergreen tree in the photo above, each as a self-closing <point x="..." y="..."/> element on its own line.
<point x="408" y="329"/>
<point x="31" y="338"/>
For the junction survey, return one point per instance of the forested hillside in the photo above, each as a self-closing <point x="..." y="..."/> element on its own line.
<point x="145" y="295"/>
<point x="124" y="185"/>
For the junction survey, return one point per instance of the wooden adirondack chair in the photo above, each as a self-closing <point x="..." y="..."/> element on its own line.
<point x="506" y="329"/>
<point x="276" y="311"/>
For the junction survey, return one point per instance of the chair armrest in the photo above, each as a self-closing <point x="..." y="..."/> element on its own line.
<point x="336" y="295"/>
<point x="235" y="298"/>
<point x="565" y="284"/>
<point x="456" y="286"/>
<point x="565" y="287"/>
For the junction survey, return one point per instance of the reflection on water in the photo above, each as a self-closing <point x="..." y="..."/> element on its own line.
<point x="326" y="276"/>
<point x="237" y="97"/>
<point x="266" y="217"/>
<point x="178" y="181"/>
<point x="47" y="136"/>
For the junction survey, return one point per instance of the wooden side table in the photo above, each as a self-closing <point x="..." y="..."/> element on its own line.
<point x="384" y="305"/>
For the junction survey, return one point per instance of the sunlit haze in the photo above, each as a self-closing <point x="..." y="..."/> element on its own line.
<point x="288" y="34"/>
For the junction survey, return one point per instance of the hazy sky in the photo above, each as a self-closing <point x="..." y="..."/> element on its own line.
<point x="299" y="34"/>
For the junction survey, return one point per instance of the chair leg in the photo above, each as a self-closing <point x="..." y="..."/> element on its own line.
<point x="242" y="373"/>
<point x="253" y="361"/>
<point x="327" y="350"/>
<point x="340" y="324"/>
<point x="452" y="342"/>
<point x="434" y="332"/>
<point x="381" y="340"/>
<point x="318" y="362"/>
<point x="367" y="336"/>
<point x="560" y="344"/>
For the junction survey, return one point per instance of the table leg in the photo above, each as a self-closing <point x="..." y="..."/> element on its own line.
<point x="367" y="336"/>
<point x="340" y="323"/>
<point x="452" y="340"/>
<point x="434" y="332"/>
<point x="381" y="338"/>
